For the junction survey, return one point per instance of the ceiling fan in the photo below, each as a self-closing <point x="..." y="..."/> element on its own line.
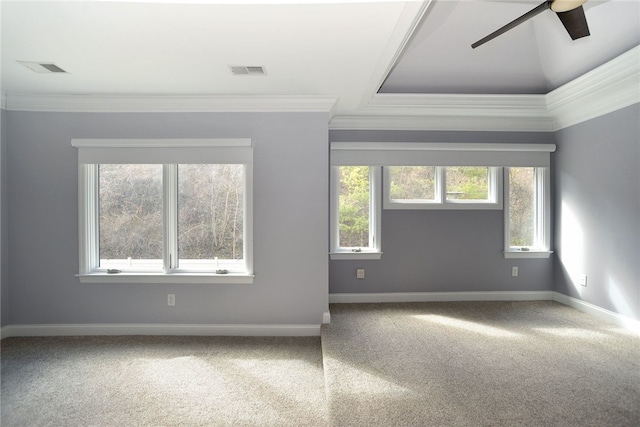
<point x="570" y="13"/>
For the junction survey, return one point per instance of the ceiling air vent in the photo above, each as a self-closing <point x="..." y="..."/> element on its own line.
<point x="42" y="67"/>
<point x="242" y="70"/>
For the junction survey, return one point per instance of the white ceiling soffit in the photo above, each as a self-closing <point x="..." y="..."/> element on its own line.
<point x="143" y="49"/>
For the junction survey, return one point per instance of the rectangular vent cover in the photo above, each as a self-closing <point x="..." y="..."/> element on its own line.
<point x="243" y="70"/>
<point x="42" y="67"/>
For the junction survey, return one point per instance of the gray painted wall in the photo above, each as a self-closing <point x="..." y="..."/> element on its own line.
<point x="597" y="172"/>
<point x="441" y="251"/>
<point x="290" y="222"/>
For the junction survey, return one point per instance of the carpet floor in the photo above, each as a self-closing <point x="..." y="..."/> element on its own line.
<point x="478" y="364"/>
<point x="410" y="364"/>
<point x="162" y="381"/>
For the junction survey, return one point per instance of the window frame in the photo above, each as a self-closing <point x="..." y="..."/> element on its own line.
<point x="494" y="201"/>
<point x="88" y="214"/>
<point x="542" y="222"/>
<point x="374" y="250"/>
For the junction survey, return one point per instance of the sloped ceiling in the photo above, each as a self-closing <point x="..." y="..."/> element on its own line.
<point x="533" y="58"/>
<point x="350" y="50"/>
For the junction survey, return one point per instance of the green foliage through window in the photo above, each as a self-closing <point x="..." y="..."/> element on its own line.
<point x="413" y="182"/>
<point x="467" y="183"/>
<point x="354" y="203"/>
<point x="522" y="207"/>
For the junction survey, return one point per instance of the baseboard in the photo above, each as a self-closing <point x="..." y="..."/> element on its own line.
<point x="440" y="296"/>
<point x="313" y="330"/>
<point x="326" y="317"/>
<point x="604" y="314"/>
<point x="160" y="329"/>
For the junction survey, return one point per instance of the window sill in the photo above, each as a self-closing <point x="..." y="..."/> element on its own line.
<point x="177" y="278"/>
<point x="355" y="255"/>
<point x="449" y="205"/>
<point x="527" y="254"/>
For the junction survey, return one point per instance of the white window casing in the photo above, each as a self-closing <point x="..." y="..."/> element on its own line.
<point x="169" y="152"/>
<point x="439" y="154"/>
<point x="542" y="223"/>
<point x="493" y="201"/>
<point x="374" y="250"/>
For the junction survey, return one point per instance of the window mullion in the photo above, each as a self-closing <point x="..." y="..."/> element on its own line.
<point x="506" y="180"/>
<point x="334" y="208"/>
<point x="541" y="207"/>
<point x="441" y="184"/>
<point x="170" y="217"/>
<point x="89" y="218"/>
<point x="375" y="176"/>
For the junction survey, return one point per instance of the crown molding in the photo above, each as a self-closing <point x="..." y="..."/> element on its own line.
<point x="441" y="123"/>
<point x="450" y="112"/>
<point x="460" y="104"/>
<point x="610" y="87"/>
<point x="171" y="104"/>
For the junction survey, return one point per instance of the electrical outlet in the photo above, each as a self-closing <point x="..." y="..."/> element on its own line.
<point x="360" y="273"/>
<point x="171" y="299"/>
<point x="514" y="271"/>
<point x="583" y="280"/>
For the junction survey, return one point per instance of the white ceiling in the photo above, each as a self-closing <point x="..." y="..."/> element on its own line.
<point x="342" y="49"/>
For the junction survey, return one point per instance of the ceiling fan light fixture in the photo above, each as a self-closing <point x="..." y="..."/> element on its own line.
<point x="566" y="5"/>
<point x="570" y="12"/>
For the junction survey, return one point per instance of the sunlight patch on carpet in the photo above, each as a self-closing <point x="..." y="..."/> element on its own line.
<point x="467" y="325"/>
<point x="359" y="382"/>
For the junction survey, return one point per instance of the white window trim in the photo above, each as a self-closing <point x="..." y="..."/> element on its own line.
<point x="374" y="251"/>
<point x="543" y="218"/>
<point x="88" y="211"/>
<point x="495" y="200"/>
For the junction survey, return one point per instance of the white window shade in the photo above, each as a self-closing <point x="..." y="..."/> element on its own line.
<point x="147" y="151"/>
<point x="440" y="154"/>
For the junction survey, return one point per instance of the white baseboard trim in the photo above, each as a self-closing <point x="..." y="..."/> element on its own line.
<point x="441" y="296"/>
<point x="159" y="329"/>
<point x="326" y="317"/>
<point x="313" y="330"/>
<point x="602" y="313"/>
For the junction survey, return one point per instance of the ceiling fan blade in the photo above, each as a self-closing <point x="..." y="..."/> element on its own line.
<point x="533" y="12"/>
<point x="575" y="22"/>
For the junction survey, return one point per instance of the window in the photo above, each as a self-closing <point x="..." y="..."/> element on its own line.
<point x="130" y="225"/>
<point x="527" y="213"/>
<point x="440" y="176"/>
<point x="412" y="184"/>
<point x="355" y="212"/>
<point x="437" y="187"/>
<point x="165" y="222"/>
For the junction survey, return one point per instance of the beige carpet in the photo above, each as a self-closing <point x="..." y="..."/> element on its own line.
<point x="162" y="381"/>
<point x="426" y="364"/>
<point x="478" y="364"/>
